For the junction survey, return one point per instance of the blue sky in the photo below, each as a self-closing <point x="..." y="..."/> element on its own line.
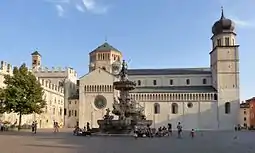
<point x="153" y="34"/>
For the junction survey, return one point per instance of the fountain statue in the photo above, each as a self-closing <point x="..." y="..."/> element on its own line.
<point x="128" y="111"/>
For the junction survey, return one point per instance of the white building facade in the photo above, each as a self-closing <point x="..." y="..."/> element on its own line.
<point x="64" y="77"/>
<point x="53" y="95"/>
<point x="199" y="98"/>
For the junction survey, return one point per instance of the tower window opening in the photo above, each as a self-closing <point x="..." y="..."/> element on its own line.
<point x="218" y="42"/>
<point x="227" y="41"/>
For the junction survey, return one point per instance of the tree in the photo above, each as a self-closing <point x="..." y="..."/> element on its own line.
<point x="23" y="93"/>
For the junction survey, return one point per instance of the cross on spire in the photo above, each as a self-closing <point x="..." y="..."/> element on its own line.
<point x="105" y="38"/>
<point x="222" y="13"/>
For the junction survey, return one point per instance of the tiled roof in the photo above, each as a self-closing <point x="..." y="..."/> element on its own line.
<point x="173" y="71"/>
<point x="244" y="105"/>
<point x="105" y="47"/>
<point x="36" y="53"/>
<point x="251" y="99"/>
<point x="175" y="89"/>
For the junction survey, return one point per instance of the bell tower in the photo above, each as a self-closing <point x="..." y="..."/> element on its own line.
<point x="36" y="60"/>
<point x="224" y="65"/>
<point x="105" y="57"/>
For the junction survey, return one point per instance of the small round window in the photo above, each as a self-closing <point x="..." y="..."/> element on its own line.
<point x="100" y="102"/>
<point x="189" y="105"/>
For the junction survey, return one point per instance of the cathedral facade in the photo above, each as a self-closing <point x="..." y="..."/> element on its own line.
<point x="199" y="98"/>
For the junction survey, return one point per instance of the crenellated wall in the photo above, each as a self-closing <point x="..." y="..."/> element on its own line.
<point x="55" y="71"/>
<point x="5" y="68"/>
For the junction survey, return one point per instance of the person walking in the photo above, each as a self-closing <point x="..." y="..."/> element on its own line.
<point x="169" y="129"/>
<point x="35" y="127"/>
<point x="179" y="128"/>
<point x="192" y="133"/>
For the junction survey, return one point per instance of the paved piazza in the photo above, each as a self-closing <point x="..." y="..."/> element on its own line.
<point x="64" y="142"/>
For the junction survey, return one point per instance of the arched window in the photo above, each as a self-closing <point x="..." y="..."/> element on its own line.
<point x="174" y="108"/>
<point x="204" y="81"/>
<point x="139" y="82"/>
<point x="215" y="97"/>
<point x="187" y="81"/>
<point x="156" y="108"/>
<point x="227" y="108"/>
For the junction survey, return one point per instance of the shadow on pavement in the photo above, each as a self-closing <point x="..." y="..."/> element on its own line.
<point x="50" y="146"/>
<point x="207" y="141"/>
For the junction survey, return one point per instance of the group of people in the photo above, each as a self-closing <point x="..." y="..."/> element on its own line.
<point x="85" y="131"/>
<point x="34" y="127"/>
<point x="160" y="132"/>
<point x="55" y="127"/>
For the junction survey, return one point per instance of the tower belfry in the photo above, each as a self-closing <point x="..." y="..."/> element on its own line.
<point x="36" y="59"/>
<point x="104" y="57"/>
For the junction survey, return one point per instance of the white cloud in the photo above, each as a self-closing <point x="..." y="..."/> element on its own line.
<point x="79" y="8"/>
<point x="60" y="10"/>
<point x="90" y="6"/>
<point x="94" y="7"/>
<point x="244" y="23"/>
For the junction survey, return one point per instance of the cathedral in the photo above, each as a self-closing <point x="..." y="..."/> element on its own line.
<point x="199" y="98"/>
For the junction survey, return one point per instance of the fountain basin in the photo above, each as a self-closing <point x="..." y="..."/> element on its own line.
<point x="121" y="126"/>
<point x="115" y="126"/>
<point x="124" y="85"/>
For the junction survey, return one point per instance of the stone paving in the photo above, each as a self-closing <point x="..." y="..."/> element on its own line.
<point x="64" y="142"/>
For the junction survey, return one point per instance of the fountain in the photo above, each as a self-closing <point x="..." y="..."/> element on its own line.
<point x="129" y="112"/>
